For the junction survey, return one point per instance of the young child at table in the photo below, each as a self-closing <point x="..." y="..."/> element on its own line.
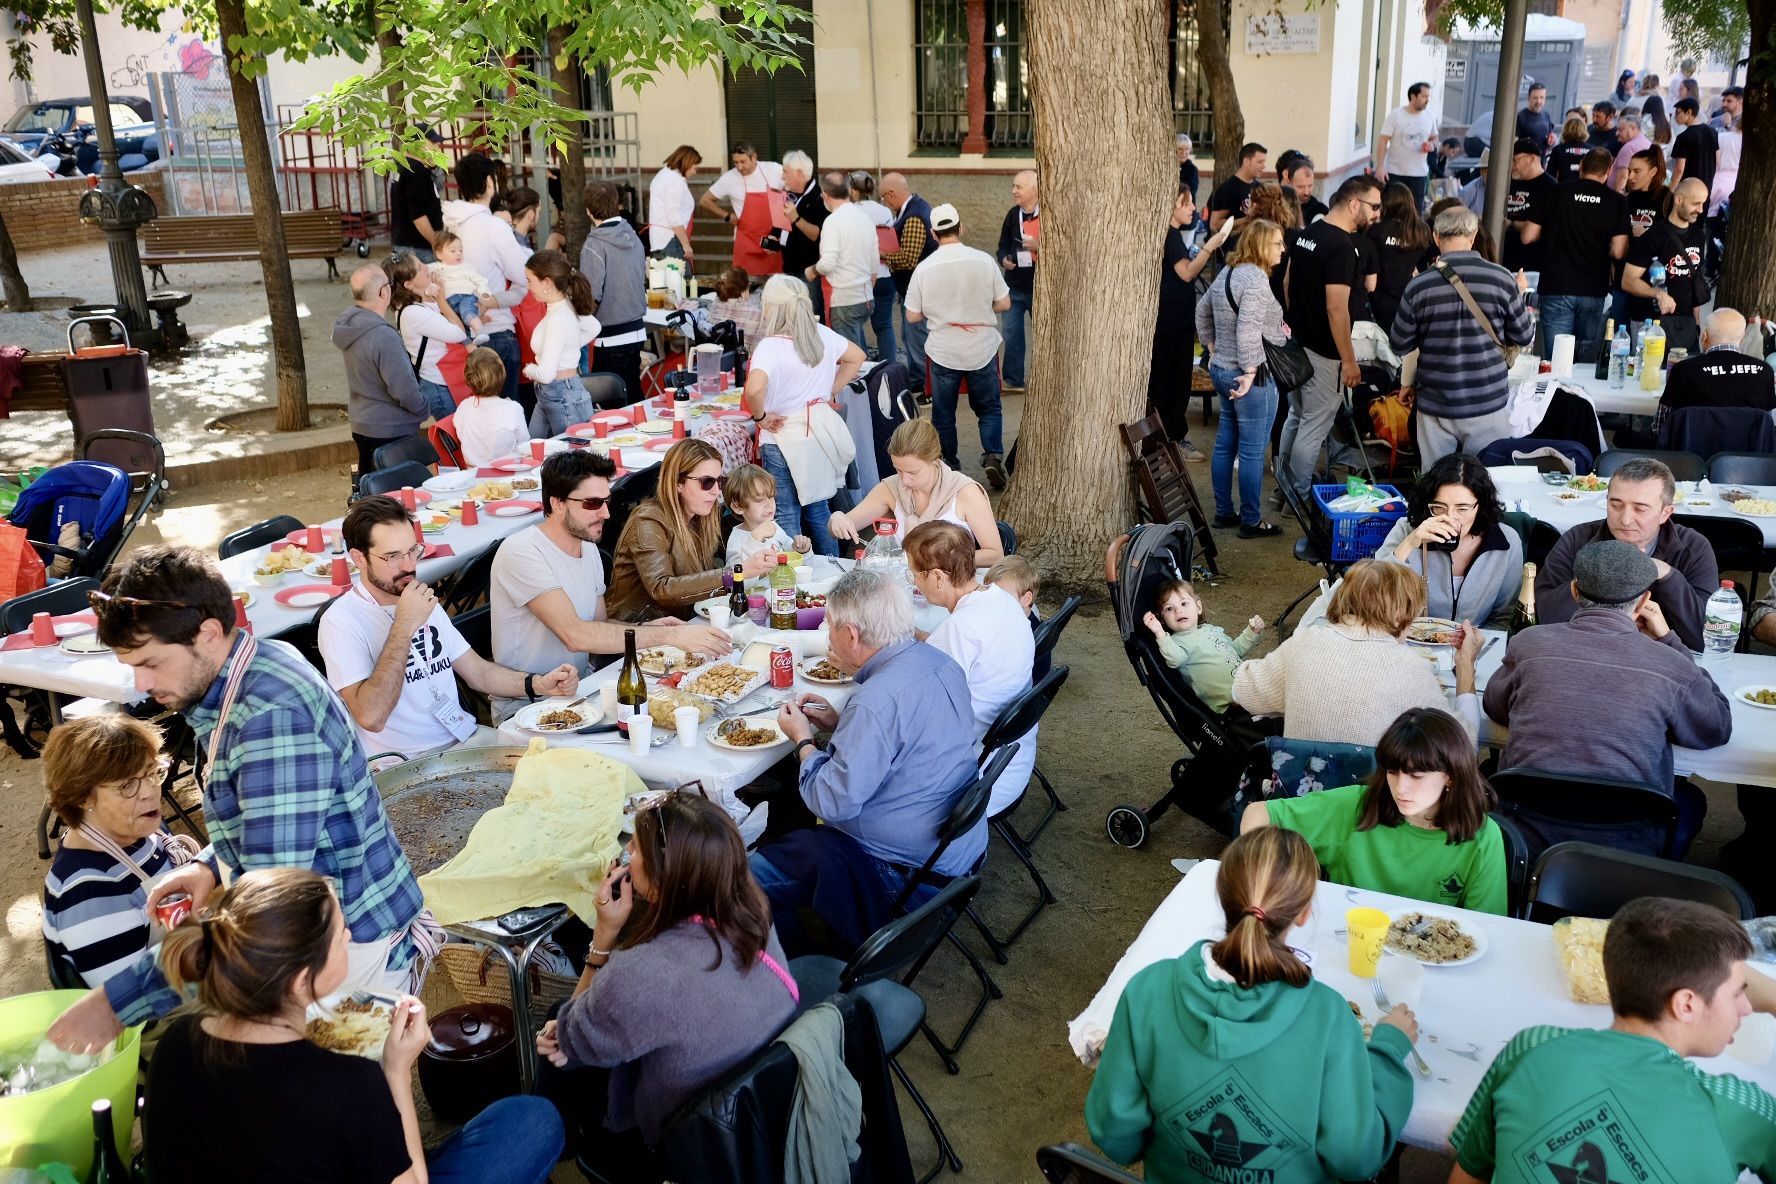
<point x="1019" y="577"/>
<point x="489" y="427"/>
<point x="752" y="496"/>
<point x="1421" y="826"/>
<point x="1232" y="1062"/>
<point x="1623" y="1103"/>
<point x="1206" y="655"/>
<point x="463" y="285"/>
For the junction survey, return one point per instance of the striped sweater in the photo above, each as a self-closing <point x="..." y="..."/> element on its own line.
<point x="1461" y="373"/>
<point x="93" y="907"/>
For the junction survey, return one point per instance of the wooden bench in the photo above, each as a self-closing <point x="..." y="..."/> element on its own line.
<point x="230" y="238"/>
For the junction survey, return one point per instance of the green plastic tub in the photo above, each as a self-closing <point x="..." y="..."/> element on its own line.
<point x="55" y="1124"/>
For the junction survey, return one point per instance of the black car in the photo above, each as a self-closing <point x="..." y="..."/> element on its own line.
<point x="132" y="122"/>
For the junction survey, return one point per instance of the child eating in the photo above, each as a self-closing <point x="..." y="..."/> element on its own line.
<point x="1205" y="653"/>
<point x="752" y="496"/>
<point x="463" y="285"/>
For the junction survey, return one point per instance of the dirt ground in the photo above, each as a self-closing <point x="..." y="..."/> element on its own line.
<point x="1020" y="1086"/>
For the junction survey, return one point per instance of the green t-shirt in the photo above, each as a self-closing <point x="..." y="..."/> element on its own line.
<point x="1571" y="1106"/>
<point x="1405" y="860"/>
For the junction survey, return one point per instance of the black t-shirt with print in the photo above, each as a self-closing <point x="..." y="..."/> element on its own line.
<point x="1645" y="207"/>
<point x="1320" y="257"/>
<point x="1234" y="196"/>
<point x="1395" y="264"/>
<point x="1578" y="221"/>
<point x="1696" y="146"/>
<point x="1683" y="270"/>
<point x="1524" y="202"/>
<point x="1564" y="162"/>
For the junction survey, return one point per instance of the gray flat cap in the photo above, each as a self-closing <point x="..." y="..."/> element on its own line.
<point x="1613" y="572"/>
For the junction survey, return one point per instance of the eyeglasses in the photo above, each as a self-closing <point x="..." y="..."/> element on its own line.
<point x="706" y="483"/>
<point x="147" y="783"/>
<point x="588" y="504"/>
<point x="416" y="552"/>
<point x="1453" y="507"/>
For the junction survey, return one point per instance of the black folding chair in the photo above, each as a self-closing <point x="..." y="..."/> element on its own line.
<point x="1584" y="880"/>
<point x="1054" y="680"/>
<point x="1313" y="547"/>
<point x="1738" y="545"/>
<point x="1551" y="808"/>
<point x="1684" y="466"/>
<point x="626" y="493"/>
<point x="606" y="389"/>
<point x="1048" y="632"/>
<point x="58" y="599"/>
<point x="1516" y="865"/>
<point x="1538" y="537"/>
<point x="476" y="627"/>
<point x="410" y="450"/>
<point x="1012" y="726"/>
<point x="256" y="535"/>
<point x="467" y="586"/>
<point x="392" y="480"/>
<point x="881" y="972"/>
<point x="1007" y="538"/>
<point x="1742" y="468"/>
<point x="1069" y="1163"/>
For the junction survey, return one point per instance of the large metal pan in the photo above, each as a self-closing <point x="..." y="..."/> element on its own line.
<point x="435" y="801"/>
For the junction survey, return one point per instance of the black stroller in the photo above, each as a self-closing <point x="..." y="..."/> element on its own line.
<point x="1216" y="745"/>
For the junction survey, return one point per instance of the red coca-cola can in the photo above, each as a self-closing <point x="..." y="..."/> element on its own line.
<point x="782" y="667"/>
<point x="172" y="909"/>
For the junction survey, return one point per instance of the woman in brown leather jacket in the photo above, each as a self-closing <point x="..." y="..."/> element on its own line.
<point x="670" y="554"/>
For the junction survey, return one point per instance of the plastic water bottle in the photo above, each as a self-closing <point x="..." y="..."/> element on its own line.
<point x="1721" y="621"/>
<point x="1620" y="346"/>
<point x="884" y="553"/>
<point x="1655" y="275"/>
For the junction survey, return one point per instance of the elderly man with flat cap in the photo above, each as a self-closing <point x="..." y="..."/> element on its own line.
<point x="1608" y="692"/>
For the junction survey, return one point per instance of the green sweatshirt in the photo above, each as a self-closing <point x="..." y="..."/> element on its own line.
<point x="1405" y="860"/>
<point x="1210" y="1082"/>
<point x="1208" y="657"/>
<point x="1564" y="1104"/>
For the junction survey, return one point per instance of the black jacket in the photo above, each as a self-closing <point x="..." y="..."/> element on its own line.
<point x="1011" y="241"/>
<point x="800" y="252"/>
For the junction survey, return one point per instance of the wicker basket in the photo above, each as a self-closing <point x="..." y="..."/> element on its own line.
<point x="480" y="976"/>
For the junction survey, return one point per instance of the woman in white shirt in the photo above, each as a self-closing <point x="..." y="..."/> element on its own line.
<point x="796" y="362"/>
<point x="567" y="327"/>
<point x="863" y="192"/>
<point x="488" y="426"/>
<point x="670" y="205"/>
<point x="428" y="327"/>
<point x="986" y="633"/>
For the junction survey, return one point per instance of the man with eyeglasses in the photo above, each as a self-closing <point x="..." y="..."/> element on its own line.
<point x="393" y="655"/>
<point x="383" y="400"/>
<point x="547" y="593"/>
<point x="283" y="777"/>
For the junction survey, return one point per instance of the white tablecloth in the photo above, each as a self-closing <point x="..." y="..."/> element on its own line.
<point x="1625" y="400"/>
<point x="1521" y="488"/>
<point x="1466" y="1014"/>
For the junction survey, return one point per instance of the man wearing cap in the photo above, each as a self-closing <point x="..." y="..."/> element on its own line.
<point x="1531" y="188"/>
<point x="957" y="292"/>
<point x="1607" y="692"/>
<point x="1638" y="512"/>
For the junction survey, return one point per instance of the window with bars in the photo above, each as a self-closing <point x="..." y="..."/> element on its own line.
<point x="1193" y="106"/>
<point x="940" y="56"/>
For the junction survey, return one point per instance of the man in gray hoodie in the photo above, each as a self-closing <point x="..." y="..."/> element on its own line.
<point x="384" y="403"/>
<point x="615" y="263"/>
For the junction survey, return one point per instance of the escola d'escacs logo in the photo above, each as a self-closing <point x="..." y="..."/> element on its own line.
<point x="1589" y="1166"/>
<point x="1452" y="889"/>
<point x="1595" y="1142"/>
<point x="1231" y="1136"/>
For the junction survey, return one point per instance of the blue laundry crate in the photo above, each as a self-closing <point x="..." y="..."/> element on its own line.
<point x="1357" y="534"/>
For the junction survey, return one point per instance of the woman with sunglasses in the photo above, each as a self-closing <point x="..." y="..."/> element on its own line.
<point x="103" y="774"/>
<point x="701" y="945"/>
<point x="670" y="554"/>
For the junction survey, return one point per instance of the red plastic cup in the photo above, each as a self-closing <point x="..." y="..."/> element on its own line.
<point x="341" y="574"/>
<point x="240" y="615"/>
<point x="537" y="448"/>
<point x="418" y="533"/>
<point x="601" y="428"/>
<point x="471" y="515"/>
<point x="408" y="498"/>
<point x="678" y="429"/>
<point x="640" y="414"/>
<point x="43" y="629"/>
<point x="317" y="539"/>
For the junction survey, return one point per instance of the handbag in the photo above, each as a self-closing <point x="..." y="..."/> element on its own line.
<point x="1467" y="298"/>
<point x="1288" y="363"/>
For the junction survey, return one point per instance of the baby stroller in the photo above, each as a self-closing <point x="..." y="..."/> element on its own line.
<point x="1204" y="779"/>
<point x="92" y="493"/>
<point x="1383" y="459"/>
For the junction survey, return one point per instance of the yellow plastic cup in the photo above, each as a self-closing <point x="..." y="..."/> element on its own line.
<point x="55" y="1124"/>
<point x="1368" y="933"/>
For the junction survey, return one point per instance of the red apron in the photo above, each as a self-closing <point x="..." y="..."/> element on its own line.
<point x="756" y="222"/>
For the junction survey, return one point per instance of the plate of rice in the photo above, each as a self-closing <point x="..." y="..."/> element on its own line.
<point x="1435" y="939"/>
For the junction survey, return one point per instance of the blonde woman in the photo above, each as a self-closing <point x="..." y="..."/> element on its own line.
<point x="1234" y="319"/>
<point x="670" y="554"/>
<point x="797" y="364"/>
<point x="924" y="489"/>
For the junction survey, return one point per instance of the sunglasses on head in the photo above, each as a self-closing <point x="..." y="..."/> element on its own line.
<point x="706" y="483"/>
<point x="105" y="601"/>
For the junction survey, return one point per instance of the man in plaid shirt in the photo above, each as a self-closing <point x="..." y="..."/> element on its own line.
<point x="287" y="785"/>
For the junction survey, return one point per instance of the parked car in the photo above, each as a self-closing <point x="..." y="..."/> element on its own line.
<point x="132" y="122"/>
<point x="17" y="165"/>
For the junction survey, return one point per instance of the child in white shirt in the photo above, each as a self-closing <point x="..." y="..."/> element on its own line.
<point x="488" y="427"/>
<point x="752" y="495"/>
<point x="463" y="285"/>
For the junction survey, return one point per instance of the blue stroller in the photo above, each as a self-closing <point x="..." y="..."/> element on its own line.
<point x="91" y="493"/>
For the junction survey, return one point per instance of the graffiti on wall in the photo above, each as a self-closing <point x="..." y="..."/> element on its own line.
<point x="180" y="53"/>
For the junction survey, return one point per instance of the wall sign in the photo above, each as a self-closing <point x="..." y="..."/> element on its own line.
<point x="1276" y="32"/>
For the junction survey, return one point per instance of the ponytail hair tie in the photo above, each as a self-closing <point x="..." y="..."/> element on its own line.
<point x="1251" y="911"/>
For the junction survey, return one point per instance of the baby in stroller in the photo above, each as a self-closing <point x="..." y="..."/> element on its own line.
<point x="1203" y="653"/>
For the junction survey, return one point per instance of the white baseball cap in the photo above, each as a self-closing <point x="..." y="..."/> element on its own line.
<point x="945" y="217"/>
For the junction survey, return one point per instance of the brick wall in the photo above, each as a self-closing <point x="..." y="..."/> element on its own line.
<point x="42" y="214"/>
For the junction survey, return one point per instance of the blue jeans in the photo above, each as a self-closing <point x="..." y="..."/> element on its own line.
<point x="848" y="321"/>
<point x="505" y="344"/>
<point x="791" y="513"/>
<point x="513" y="1141"/>
<point x="438" y="399"/>
<point x="882" y="317"/>
<point x="913" y="335"/>
<point x="983" y="396"/>
<point x="560" y="404"/>
<point x="1244" y="431"/>
<point x="1011" y="327"/>
<point x="1582" y="316"/>
<point x="466" y="307"/>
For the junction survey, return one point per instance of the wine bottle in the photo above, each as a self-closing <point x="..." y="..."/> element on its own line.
<point x="632" y="692"/>
<point x="1603" y="350"/>
<point x="107" y="1165"/>
<point x="1524" y="615"/>
<point x="737" y="597"/>
<point x="740" y="359"/>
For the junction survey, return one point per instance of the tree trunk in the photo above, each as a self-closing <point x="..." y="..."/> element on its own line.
<point x="574" y="222"/>
<point x="280" y="289"/>
<point x="12" y="280"/>
<point x="1100" y="131"/>
<point x="1217" y="69"/>
<point x="1749" y="282"/>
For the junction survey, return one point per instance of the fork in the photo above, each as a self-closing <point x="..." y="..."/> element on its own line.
<point x="1381" y="1001"/>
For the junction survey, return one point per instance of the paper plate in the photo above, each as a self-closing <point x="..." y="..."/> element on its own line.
<point x="299" y="537"/>
<point x="420" y="496"/>
<point x="307" y="595"/>
<point x="624" y="440"/>
<point x="1740" y="696"/>
<point x="751" y="721"/>
<point x="84" y="644"/>
<point x="1420" y="631"/>
<point x="513" y="509"/>
<point x="514" y="464"/>
<point x="808" y="664"/>
<point x="74" y="628"/>
<point x="1467" y="926"/>
<point x="1739" y="508"/>
<point x="452" y="482"/>
<point x="528" y="717"/>
<point x="660" y="445"/>
<point x="655" y="427"/>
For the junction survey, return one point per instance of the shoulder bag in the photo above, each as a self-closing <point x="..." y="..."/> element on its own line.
<point x="1461" y="289"/>
<point x="1288" y="363"/>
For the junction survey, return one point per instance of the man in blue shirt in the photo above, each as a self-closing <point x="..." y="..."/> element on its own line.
<point x="901" y="754"/>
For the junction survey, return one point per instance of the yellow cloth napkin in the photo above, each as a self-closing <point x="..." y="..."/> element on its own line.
<point x="552" y="840"/>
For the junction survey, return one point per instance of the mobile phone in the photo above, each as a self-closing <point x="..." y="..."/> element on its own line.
<point x="771" y="242"/>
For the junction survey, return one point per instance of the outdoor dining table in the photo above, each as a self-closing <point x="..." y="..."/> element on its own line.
<point x="1521" y="488"/>
<point x="1466" y="1014"/>
<point x="1628" y="399"/>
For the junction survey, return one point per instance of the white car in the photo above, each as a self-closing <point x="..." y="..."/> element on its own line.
<point x="18" y="166"/>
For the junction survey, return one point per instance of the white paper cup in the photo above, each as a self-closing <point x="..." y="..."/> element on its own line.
<point x="721" y="616"/>
<point x="607" y="699"/>
<point x="641" y="732"/>
<point x="804" y="575"/>
<point x="1755" y="1040"/>
<point x="687" y="720"/>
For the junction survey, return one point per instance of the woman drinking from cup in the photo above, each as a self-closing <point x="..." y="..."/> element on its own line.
<point x="238" y="1092"/>
<point x="670" y="554"/>
<point x="1472" y="563"/>
<point x="702" y="947"/>
<point x="924" y="489"/>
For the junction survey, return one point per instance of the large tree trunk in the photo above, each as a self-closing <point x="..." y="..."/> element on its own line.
<point x="1212" y="59"/>
<point x="1749" y="282"/>
<point x="1107" y="185"/>
<point x="574" y="222"/>
<point x="280" y="289"/>
<point x="12" y="280"/>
